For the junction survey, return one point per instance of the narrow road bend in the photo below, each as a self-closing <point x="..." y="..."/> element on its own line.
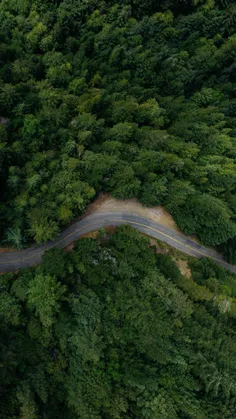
<point x="13" y="261"/>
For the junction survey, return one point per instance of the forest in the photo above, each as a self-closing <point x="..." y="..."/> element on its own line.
<point x="113" y="329"/>
<point x="136" y="98"/>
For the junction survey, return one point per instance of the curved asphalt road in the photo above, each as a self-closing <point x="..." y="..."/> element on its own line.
<point x="28" y="257"/>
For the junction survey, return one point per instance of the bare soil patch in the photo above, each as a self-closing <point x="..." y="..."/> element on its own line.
<point x="183" y="267"/>
<point x="7" y="249"/>
<point x="90" y="235"/>
<point x="69" y="248"/>
<point x="106" y="203"/>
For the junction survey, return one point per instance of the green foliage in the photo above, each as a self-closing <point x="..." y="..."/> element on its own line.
<point x="9" y="309"/>
<point x="114" y="329"/>
<point x="43" y="296"/>
<point x="43" y="229"/>
<point x="229" y="250"/>
<point x="54" y="262"/>
<point x="14" y="237"/>
<point x="208" y="217"/>
<point x="153" y="191"/>
<point x="135" y="98"/>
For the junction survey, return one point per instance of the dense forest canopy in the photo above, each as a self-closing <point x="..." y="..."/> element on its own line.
<point x="114" y="330"/>
<point x="135" y="98"/>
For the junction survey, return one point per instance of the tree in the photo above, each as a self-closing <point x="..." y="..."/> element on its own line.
<point x="208" y="217"/>
<point x="161" y="406"/>
<point x="8" y="96"/>
<point x="150" y="113"/>
<point x="10" y="309"/>
<point x="27" y="403"/>
<point x="123" y="183"/>
<point x="45" y="296"/>
<point x="14" y="237"/>
<point x="43" y="229"/>
<point x="229" y="250"/>
<point x="54" y="262"/>
<point x="153" y="193"/>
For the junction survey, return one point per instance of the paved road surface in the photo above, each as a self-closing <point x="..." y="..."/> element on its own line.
<point x="28" y="257"/>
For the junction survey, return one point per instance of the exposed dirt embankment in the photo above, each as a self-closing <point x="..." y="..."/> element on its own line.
<point x="106" y="203"/>
<point x="7" y="249"/>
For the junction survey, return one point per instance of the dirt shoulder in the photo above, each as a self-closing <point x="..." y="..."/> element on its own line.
<point x="106" y="203"/>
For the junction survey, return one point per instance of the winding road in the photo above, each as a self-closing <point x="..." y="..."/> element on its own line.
<point x="13" y="261"/>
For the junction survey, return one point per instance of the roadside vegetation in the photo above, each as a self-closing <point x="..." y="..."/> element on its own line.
<point x="114" y="330"/>
<point x="134" y="98"/>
